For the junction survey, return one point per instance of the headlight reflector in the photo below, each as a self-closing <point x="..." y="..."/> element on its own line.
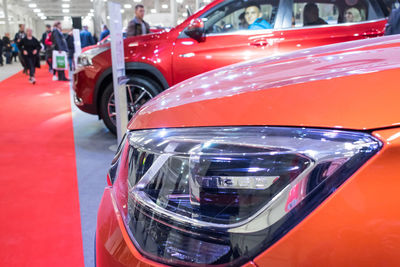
<point x="221" y="195"/>
<point x="85" y="59"/>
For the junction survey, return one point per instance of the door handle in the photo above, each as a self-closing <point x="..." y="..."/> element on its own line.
<point x="259" y="42"/>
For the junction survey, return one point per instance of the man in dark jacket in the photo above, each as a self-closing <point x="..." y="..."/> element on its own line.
<point x="7" y="47"/>
<point x="17" y="39"/>
<point x="59" y="44"/>
<point x="138" y="26"/>
<point x="1" y="52"/>
<point x="71" y="50"/>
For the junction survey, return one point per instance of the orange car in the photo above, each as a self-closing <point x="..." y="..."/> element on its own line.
<point x="283" y="161"/>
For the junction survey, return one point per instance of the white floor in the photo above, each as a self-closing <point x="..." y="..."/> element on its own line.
<point x="9" y="69"/>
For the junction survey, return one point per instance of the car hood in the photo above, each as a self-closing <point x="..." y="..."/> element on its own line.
<point x="350" y="85"/>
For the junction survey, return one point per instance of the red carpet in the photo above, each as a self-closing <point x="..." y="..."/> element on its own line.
<point x="39" y="201"/>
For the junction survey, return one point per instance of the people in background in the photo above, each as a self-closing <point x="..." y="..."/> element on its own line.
<point x="59" y="44"/>
<point x="7" y="47"/>
<point x="242" y="22"/>
<point x="1" y="52"/>
<point x="393" y="23"/>
<point x="30" y="48"/>
<point x="45" y="36"/>
<point x="14" y="53"/>
<point x="348" y="16"/>
<point x="104" y="33"/>
<point x="17" y="39"/>
<point x="71" y="50"/>
<point x="254" y="19"/>
<point x="138" y="26"/>
<point x="311" y="15"/>
<point x="49" y="53"/>
<point x="86" y="37"/>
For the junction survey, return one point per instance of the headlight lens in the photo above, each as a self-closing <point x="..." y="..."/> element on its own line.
<point x="85" y="59"/>
<point x="212" y="196"/>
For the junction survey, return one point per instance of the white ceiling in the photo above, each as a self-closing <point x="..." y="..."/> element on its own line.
<point x="53" y="9"/>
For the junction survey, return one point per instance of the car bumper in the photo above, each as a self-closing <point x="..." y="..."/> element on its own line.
<point x="113" y="244"/>
<point x="83" y="86"/>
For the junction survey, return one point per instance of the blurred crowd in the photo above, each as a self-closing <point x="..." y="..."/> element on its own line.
<point x="28" y="50"/>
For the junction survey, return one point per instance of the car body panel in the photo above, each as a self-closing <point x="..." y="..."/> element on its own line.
<point x="256" y="93"/>
<point x="358" y="225"/>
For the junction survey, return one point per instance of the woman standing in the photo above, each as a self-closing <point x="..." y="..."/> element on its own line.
<point x="30" y="48"/>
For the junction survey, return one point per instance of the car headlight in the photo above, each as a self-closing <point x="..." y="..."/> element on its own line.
<point x="222" y="195"/>
<point x="85" y="59"/>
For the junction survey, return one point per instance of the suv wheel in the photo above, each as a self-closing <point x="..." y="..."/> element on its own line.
<point x="140" y="89"/>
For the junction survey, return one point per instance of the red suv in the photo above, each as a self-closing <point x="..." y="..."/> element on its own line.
<point x="222" y="33"/>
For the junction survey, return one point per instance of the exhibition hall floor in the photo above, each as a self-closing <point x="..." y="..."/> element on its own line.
<point x="54" y="160"/>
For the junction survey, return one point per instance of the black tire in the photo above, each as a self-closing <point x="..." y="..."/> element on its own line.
<point x="137" y="84"/>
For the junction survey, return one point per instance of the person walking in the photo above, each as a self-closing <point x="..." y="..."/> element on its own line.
<point x="30" y="48"/>
<point x="59" y="44"/>
<point x="17" y="39"/>
<point x="1" y="52"/>
<point x="7" y="47"/>
<point x="138" y="26"/>
<point x="14" y="52"/>
<point x="71" y="50"/>
<point x="104" y="33"/>
<point x="46" y="36"/>
<point x="86" y="37"/>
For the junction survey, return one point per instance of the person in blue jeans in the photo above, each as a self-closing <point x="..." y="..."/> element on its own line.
<point x="253" y="16"/>
<point x="71" y="50"/>
<point x="86" y="37"/>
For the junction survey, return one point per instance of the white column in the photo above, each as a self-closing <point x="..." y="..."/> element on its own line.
<point x="157" y="6"/>
<point x="174" y="12"/>
<point x="197" y="5"/>
<point x="5" y="10"/>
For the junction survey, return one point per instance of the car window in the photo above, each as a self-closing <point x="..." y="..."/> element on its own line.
<point x="322" y="12"/>
<point x="241" y="15"/>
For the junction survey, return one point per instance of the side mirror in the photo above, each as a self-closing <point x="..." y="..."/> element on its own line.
<point x="195" y="30"/>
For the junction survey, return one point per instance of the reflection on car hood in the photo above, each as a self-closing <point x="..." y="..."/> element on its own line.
<point x="351" y="85"/>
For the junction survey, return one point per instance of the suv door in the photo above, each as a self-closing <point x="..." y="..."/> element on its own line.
<point x="228" y="37"/>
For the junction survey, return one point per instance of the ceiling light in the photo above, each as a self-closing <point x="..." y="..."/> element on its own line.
<point x="66" y="0"/>
<point x="153" y="11"/>
<point x="36" y="10"/>
<point x="65" y="10"/>
<point x="92" y="10"/>
<point x="65" y="5"/>
<point x="122" y="11"/>
<point x="164" y="6"/>
<point x="40" y="14"/>
<point x="32" y="5"/>
<point x="137" y="1"/>
<point x="43" y="17"/>
<point x="127" y="6"/>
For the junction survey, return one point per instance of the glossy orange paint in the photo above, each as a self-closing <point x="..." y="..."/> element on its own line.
<point x="358" y="225"/>
<point x="332" y="86"/>
<point x="352" y="86"/>
<point x="113" y="244"/>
